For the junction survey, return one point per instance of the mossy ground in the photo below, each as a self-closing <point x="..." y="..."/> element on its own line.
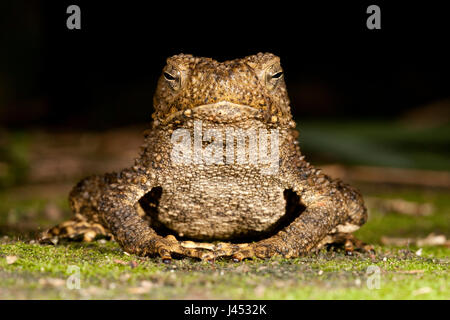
<point x="42" y="271"/>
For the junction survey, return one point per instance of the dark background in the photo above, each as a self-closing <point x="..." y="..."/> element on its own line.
<point x="104" y="75"/>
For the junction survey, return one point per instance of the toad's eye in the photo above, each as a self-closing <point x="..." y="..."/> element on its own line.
<point x="277" y="75"/>
<point x="172" y="77"/>
<point x="273" y="76"/>
<point x="168" y="76"/>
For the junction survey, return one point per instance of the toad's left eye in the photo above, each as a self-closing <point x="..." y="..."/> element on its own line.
<point x="273" y="76"/>
<point x="277" y="75"/>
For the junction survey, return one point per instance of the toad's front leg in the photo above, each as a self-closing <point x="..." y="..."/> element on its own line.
<point x="332" y="207"/>
<point x="133" y="233"/>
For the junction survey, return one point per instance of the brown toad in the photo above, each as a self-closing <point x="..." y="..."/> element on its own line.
<point x="221" y="162"/>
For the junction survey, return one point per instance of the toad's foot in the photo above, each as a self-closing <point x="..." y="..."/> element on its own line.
<point x="239" y="251"/>
<point x="274" y="247"/>
<point x="221" y="249"/>
<point x="77" y="228"/>
<point x="169" y="245"/>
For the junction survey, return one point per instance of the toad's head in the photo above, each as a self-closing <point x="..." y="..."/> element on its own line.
<point x="224" y="92"/>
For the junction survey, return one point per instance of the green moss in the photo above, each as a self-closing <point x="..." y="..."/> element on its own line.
<point x="392" y="224"/>
<point x="106" y="272"/>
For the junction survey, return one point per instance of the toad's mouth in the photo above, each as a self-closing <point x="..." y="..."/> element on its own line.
<point x="219" y="112"/>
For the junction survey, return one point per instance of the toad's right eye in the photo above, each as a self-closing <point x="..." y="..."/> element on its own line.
<point x="172" y="77"/>
<point x="168" y="76"/>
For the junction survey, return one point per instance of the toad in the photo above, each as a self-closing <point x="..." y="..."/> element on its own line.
<point x="220" y="173"/>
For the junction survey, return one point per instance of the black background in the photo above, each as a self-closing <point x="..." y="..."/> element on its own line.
<point x="104" y="74"/>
